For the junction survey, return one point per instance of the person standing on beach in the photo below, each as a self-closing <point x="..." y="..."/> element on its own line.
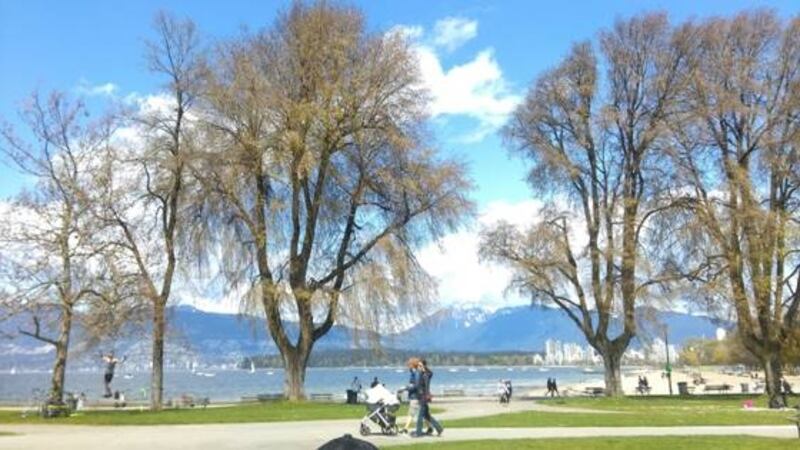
<point x="424" y="395"/>
<point x="111" y="364"/>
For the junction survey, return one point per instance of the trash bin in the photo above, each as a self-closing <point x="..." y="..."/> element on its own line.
<point x="683" y="388"/>
<point x="352" y="397"/>
<point x="745" y="388"/>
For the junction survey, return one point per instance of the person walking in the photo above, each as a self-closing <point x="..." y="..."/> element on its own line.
<point x="424" y="395"/>
<point x="411" y="390"/>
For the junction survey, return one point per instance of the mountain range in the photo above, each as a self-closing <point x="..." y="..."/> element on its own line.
<point x="214" y="338"/>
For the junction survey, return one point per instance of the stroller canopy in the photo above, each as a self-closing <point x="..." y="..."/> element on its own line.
<point x="380" y="394"/>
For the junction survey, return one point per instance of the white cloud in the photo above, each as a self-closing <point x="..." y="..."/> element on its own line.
<point x="98" y="90"/>
<point x="411" y="33"/>
<point x="475" y="89"/>
<point x="464" y="279"/>
<point x="452" y="32"/>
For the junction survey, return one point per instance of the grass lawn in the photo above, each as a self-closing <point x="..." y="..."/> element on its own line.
<point x="621" y="443"/>
<point x="638" y="411"/>
<point x="278" y="411"/>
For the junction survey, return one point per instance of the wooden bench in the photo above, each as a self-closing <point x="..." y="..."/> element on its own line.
<point x="189" y="401"/>
<point x="594" y="391"/>
<point x="642" y="390"/>
<point x="453" y="393"/>
<point x="325" y="397"/>
<point x="717" y="387"/>
<point x="261" y="398"/>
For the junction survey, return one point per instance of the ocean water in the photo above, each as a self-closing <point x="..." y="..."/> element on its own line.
<point x="231" y="385"/>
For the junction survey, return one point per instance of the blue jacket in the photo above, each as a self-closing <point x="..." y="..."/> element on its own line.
<point x="412" y="385"/>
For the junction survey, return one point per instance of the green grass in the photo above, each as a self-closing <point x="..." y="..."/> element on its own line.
<point x="637" y="412"/>
<point x="278" y="411"/>
<point x="623" y="443"/>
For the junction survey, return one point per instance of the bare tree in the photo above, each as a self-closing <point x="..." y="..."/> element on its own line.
<point x="317" y="168"/>
<point x="143" y="189"/>
<point x="592" y="141"/>
<point x="736" y="148"/>
<point x="51" y="263"/>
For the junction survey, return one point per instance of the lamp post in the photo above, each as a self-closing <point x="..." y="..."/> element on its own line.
<point x="669" y="367"/>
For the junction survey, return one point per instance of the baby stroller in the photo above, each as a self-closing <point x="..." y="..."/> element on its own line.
<point x="381" y="408"/>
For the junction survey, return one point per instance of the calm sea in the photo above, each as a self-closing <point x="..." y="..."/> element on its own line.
<point x="229" y="385"/>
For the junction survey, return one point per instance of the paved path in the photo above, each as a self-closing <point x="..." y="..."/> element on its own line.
<point x="310" y="435"/>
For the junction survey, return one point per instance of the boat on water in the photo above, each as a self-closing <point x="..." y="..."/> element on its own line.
<point x="452" y="369"/>
<point x="269" y="372"/>
<point x="544" y="369"/>
<point x="252" y="367"/>
<point x="589" y="370"/>
<point x="472" y="369"/>
<point x="128" y="376"/>
<point x="205" y="374"/>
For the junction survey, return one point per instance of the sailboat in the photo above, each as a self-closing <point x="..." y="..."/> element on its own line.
<point x="252" y="367"/>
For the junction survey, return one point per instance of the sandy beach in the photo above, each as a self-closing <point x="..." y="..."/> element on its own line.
<point x="711" y="377"/>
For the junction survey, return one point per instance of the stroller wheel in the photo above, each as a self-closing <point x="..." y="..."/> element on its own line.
<point x="364" y="430"/>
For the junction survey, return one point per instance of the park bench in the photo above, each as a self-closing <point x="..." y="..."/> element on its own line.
<point x="189" y="401"/>
<point x="261" y="398"/>
<point x="725" y="387"/>
<point x="325" y="397"/>
<point x="642" y="390"/>
<point x="453" y="393"/>
<point x="594" y="391"/>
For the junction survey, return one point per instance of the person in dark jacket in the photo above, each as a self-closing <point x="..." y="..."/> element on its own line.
<point x="413" y="399"/>
<point x="424" y="394"/>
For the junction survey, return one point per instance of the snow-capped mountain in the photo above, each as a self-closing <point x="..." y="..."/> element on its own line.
<point x="216" y="338"/>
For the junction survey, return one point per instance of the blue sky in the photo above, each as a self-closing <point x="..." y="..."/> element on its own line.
<point x="478" y="55"/>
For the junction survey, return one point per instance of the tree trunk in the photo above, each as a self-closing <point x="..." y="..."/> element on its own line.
<point x="772" y="378"/>
<point x="60" y="367"/>
<point x="612" y="361"/>
<point x="157" y="374"/>
<point x="295" y="363"/>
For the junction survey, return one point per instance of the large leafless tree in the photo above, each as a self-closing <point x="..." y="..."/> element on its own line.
<point x="591" y="129"/>
<point x="52" y="266"/>
<point x="736" y="148"/>
<point x="317" y="166"/>
<point x="144" y="185"/>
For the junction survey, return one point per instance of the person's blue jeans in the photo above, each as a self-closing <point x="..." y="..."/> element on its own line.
<point x="425" y="414"/>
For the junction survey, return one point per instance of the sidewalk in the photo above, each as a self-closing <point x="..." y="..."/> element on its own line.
<point x="311" y="434"/>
